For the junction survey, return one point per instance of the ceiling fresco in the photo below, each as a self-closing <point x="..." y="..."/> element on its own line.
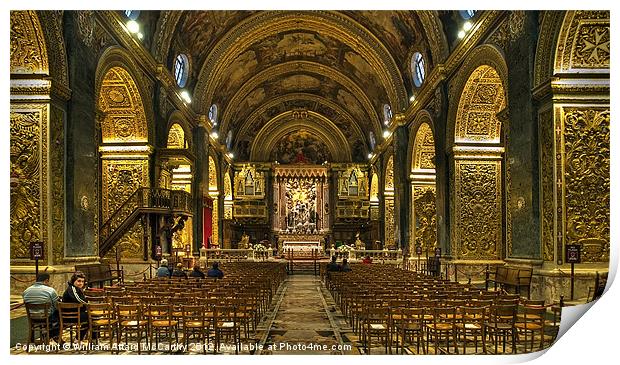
<point x="300" y="146"/>
<point x="255" y="65"/>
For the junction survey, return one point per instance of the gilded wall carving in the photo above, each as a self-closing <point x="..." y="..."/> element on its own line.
<point x="249" y="183"/>
<point x="28" y="159"/>
<point x="509" y="30"/>
<point x="28" y="50"/>
<point x="51" y="21"/>
<point x="482" y="98"/>
<point x="176" y="137"/>
<point x="389" y="223"/>
<point x="121" y="178"/>
<point x="583" y="41"/>
<point x="57" y="187"/>
<point x="424" y="148"/>
<point x="587" y="181"/>
<point x="389" y="174"/>
<point x="353" y="183"/>
<point x="214" y="193"/>
<point x="86" y="26"/>
<point x="120" y="101"/>
<point x="547" y="181"/>
<point x="424" y="217"/>
<point x="478" y="209"/>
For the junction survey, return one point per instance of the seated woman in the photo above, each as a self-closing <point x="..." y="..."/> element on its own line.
<point x="75" y="294"/>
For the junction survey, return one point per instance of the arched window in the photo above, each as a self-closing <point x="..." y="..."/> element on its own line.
<point x="387" y="114"/>
<point x="417" y="69"/>
<point x="373" y="141"/>
<point x="132" y="14"/>
<point x="467" y="14"/>
<point x="181" y="69"/>
<point x="213" y="114"/>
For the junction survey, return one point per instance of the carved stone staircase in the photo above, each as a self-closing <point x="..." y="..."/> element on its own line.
<point x="142" y="201"/>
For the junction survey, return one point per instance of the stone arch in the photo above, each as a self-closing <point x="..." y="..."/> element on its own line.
<point x="125" y="152"/>
<point x="117" y="57"/>
<point x="423" y="229"/>
<point x="484" y="55"/>
<point x="477" y="152"/>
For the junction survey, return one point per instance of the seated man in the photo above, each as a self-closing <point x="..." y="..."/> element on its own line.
<point x="40" y="293"/>
<point x="163" y="270"/>
<point x="345" y="266"/>
<point x="179" y="272"/>
<point x="215" y="271"/>
<point x="333" y="266"/>
<point x="197" y="273"/>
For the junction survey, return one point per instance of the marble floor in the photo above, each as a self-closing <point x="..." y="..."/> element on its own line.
<point x="302" y="320"/>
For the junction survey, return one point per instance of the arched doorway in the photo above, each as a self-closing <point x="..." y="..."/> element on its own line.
<point x="423" y="191"/>
<point x="124" y="150"/>
<point x="477" y="171"/>
<point x="388" y="197"/>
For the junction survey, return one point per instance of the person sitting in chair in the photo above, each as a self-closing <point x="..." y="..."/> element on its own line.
<point x="42" y="293"/>
<point x="215" y="271"/>
<point x="333" y="266"/>
<point x="179" y="272"/>
<point x="197" y="273"/>
<point x="163" y="271"/>
<point x="345" y="266"/>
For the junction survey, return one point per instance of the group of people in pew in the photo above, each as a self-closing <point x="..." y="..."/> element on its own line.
<point x="164" y="271"/>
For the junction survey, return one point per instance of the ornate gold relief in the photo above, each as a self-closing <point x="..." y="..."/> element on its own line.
<point x="547" y="181"/>
<point x="249" y="183"/>
<point x="57" y="184"/>
<point x="121" y="178"/>
<point x="389" y="223"/>
<point x="424" y="148"/>
<point x="424" y="217"/>
<point x="482" y="98"/>
<point x="583" y="41"/>
<point x="587" y="180"/>
<point x="214" y="194"/>
<point x="176" y="137"/>
<point x="28" y="158"/>
<point x="353" y="183"/>
<point x="478" y="209"/>
<point x="121" y="104"/>
<point x="389" y="174"/>
<point x="212" y="174"/>
<point x="28" y="50"/>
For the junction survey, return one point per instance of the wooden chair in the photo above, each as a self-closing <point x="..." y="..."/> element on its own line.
<point x="38" y="322"/>
<point x="532" y="321"/>
<point x="70" y="319"/>
<point x="410" y="323"/>
<point x="130" y="321"/>
<point x="160" y="322"/>
<point x="375" y="322"/>
<point x="471" y="323"/>
<point x="501" y="322"/>
<point x="196" y="325"/>
<point x="101" y="319"/>
<point x="442" y="327"/>
<point x="226" y="326"/>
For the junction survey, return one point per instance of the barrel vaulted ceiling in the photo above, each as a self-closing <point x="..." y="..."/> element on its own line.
<point x="340" y="66"/>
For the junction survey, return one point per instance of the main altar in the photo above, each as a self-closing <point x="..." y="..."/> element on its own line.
<point x="301" y="208"/>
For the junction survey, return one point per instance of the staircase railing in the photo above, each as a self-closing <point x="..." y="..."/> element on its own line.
<point x="143" y="200"/>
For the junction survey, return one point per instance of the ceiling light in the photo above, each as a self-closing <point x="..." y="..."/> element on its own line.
<point x="214" y="135"/>
<point x="387" y="134"/>
<point x="140" y="35"/>
<point x="133" y="26"/>
<point x="412" y="98"/>
<point x="462" y="34"/>
<point x="467" y="26"/>
<point x="186" y="97"/>
<point x="371" y="155"/>
<point x="230" y="155"/>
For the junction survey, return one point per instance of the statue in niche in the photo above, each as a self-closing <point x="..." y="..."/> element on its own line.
<point x="359" y="245"/>
<point x="245" y="241"/>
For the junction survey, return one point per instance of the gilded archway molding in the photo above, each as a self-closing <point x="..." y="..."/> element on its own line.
<point x="177" y="117"/>
<point x="546" y="46"/>
<point x="297" y="67"/>
<point x="28" y="49"/>
<point x="422" y="117"/>
<point x="115" y="56"/>
<point x="434" y="35"/>
<point x="51" y="20"/>
<point x="485" y="54"/>
<point x="253" y="118"/>
<point x="287" y="122"/>
<point x="331" y="23"/>
<point x="583" y="43"/>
